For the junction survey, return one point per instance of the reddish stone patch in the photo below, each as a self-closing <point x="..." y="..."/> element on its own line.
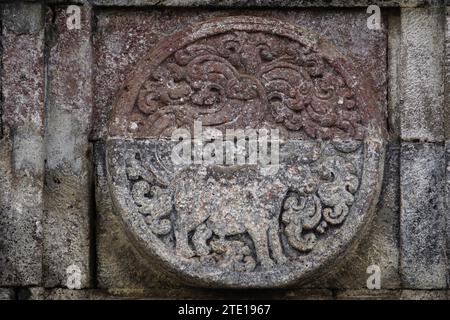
<point x="241" y="72"/>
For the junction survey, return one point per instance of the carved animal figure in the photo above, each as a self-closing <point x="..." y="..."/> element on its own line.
<point x="219" y="202"/>
<point x="229" y="207"/>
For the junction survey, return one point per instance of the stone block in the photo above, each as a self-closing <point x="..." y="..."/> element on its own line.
<point x="380" y="246"/>
<point x="22" y="145"/>
<point x="40" y="293"/>
<point x="447" y="203"/>
<point x="263" y="3"/>
<point x="394" y="54"/>
<point x="7" y="294"/>
<point x="119" y="264"/>
<point x="68" y="196"/>
<point x="122" y="38"/>
<point x="447" y="74"/>
<point x="424" y="295"/>
<point x="367" y="294"/>
<point x="422" y="74"/>
<point x="23" y="18"/>
<point x="422" y="216"/>
<point x="118" y="49"/>
<point x="59" y="87"/>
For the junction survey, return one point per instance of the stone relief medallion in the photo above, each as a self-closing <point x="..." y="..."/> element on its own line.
<point x="249" y="223"/>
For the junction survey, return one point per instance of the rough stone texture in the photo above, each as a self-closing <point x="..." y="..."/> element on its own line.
<point x="21" y="147"/>
<point x="122" y="38"/>
<point x="424" y="295"/>
<point x="422" y="75"/>
<point x="245" y="72"/>
<point x="415" y="112"/>
<point x="182" y="294"/>
<point x="187" y="293"/>
<point x="126" y="268"/>
<point x="422" y="216"/>
<point x="256" y="3"/>
<point x="234" y="226"/>
<point x="149" y="222"/>
<point x="123" y="267"/>
<point x="394" y="59"/>
<point x="7" y="294"/>
<point x="380" y="246"/>
<point x="366" y="294"/>
<point x="23" y="18"/>
<point x="447" y="75"/>
<point x="392" y="294"/>
<point x="447" y="203"/>
<point x="447" y="132"/>
<point x="118" y="48"/>
<point x="40" y="293"/>
<point x="68" y="167"/>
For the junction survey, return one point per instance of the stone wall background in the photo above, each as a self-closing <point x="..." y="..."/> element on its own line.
<point x="57" y="85"/>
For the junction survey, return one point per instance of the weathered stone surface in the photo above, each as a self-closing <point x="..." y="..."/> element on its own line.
<point x="447" y="75"/>
<point x="173" y="294"/>
<point x="424" y="295"/>
<point x="192" y="293"/>
<point x="368" y="294"/>
<point x="119" y="264"/>
<point x="23" y="18"/>
<point x="40" y="293"/>
<point x="7" y="294"/>
<point x="447" y="203"/>
<point x="422" y="217"/>
<point x="118" y="48"/>
<point x="122" y="38"/>
<point x="198" y="293"/>
<point x="68" y="166"/>
<point x="422" y="74"/>
<point x="394" y="59"/>
<point x="221" y="74"/>
<point x="380" y="245"/>
<point x="256" y="3"/>
<point x="447" y="131"/>
<point x="21" y="147"/>
<point x="241" y="225"/>
<point x="46" y="192"/>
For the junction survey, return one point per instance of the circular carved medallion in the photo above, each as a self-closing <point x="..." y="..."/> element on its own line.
<point x="282" y="149"/>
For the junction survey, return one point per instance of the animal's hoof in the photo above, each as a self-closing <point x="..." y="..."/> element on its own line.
<point x="268" y="265"/>
<point x="282" y="260"/>
<point x="185" y="252"/>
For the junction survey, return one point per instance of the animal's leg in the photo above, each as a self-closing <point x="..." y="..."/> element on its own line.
<point x="182" y="246"/>
<point x="260" y="240"/>
<point x="277" y="249"/>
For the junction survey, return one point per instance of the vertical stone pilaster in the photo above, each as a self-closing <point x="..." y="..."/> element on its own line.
<point x="7" y="294"/>
<point x="68" y="167"/>
<point x="447" y="131"/>
<point x="422" y="166"/>
<point x="421" y="74"/>
<point x="422" y="216"/>
<point x="394" y="54"/>
<point x="447" y="205"/>
<point x="447" y="74"/>
<point x="22" y="145"/>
